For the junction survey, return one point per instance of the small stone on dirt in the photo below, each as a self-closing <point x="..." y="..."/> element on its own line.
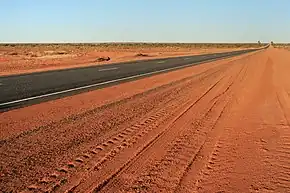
<point x="142" y="55"/>
<point x="102" y="59"/>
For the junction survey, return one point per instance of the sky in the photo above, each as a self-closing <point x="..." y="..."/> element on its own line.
<point x="52" y="21"/>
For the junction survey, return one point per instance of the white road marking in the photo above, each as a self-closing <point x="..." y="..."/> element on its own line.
<point x="186" y="58"/>
<point x="1" y="84"/>
<point x="102" y="83"/>
<point x="161" y="62"/>
<point x="108" y="69"/>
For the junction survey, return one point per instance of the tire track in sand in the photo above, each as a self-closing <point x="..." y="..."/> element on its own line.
<point x="238" y="167"/>
<point x="91" y="185"/>
<point x="65" y="177"/>
<point x="165" y="174"/>
<point x="282" y="153"/>
<point x="205" y="162"/>
<point x="97" y="155"/>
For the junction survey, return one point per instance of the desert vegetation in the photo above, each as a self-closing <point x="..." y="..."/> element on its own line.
<point x="282" y="45"/>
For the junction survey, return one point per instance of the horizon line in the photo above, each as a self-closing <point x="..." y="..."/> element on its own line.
<point x="133" y="42"/>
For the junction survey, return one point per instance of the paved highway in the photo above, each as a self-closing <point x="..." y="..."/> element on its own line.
<point x="22" y="90"/>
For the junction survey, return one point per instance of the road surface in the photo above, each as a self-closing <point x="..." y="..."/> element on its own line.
<point x="23" y="90"/>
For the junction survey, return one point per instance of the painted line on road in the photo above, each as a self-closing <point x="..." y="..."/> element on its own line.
<point x="104" y="83"/>
<point x="186" y="58"/>
<point x="161" y="62"/>
<point x="108" y="69"/>
<point x="1" y="84"/>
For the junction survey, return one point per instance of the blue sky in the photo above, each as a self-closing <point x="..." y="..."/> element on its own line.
<point x="144" y="20"/>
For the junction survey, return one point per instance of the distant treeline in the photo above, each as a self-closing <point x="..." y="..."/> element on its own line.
<point x="282" y="44"/>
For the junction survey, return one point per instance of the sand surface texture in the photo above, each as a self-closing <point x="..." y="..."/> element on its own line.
<point x="218" y="127"/>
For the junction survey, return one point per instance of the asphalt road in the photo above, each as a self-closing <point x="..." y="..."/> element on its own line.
<point x="22" y="90"/>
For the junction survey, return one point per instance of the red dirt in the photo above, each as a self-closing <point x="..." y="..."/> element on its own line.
<point x="217" y="127"/>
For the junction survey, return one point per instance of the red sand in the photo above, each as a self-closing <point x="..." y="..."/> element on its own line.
<point x="217" y="127"/>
